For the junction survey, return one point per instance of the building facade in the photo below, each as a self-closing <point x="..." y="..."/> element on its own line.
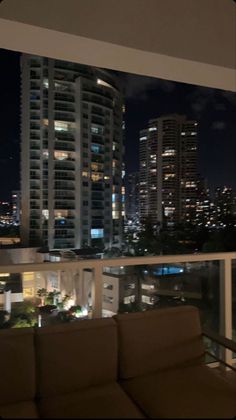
<point x="168" y="170"/>
<point x="71" y="155"/>
<point x="16" y="208"/>
<point x="225" y="205"/>
<point x="132" y="196"/>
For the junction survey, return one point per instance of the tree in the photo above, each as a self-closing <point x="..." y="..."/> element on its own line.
<point x="42" y="293"/>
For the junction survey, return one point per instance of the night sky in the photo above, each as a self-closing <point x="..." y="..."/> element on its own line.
<point x="145" y="98"/>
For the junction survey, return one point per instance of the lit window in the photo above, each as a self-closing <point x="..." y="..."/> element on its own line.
<point x="190" y="184"/>
<point x="115" y="163"/>
<point x="147" y="286"/>
<point x="169" y="152"/>
<point x="96" y="130"/>
<point x="146" y="299"/>
<point x="28" y="276"/>
<point x="60" y="155"/>
<point x="168" y="176"/>
<point x="60" y="214"/>
<point x="96" y="176"/>
<point x="115" y="198"/>
<point x="107" y="286"/>
<point x="103" y="83"/>
<point x="62" y="125"/>
<point x="95" y="148"/>
<point x="115" y="215"/>
<point x="129" y="299"/>
<point x="152" y="129"/>
<point x="169" y="211"/>
<point x="97" y="233"/>
<point x="97" y="167"/>
<point x="45" y="214"/>
<point x="45" y="83"/>
<point x="143" y="138"/>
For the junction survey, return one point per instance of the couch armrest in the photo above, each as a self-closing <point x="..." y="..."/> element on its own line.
<point x="222" y="341"/>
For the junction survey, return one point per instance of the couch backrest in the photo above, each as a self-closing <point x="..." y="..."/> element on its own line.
<point x="158" y="339"/>
<point x="74" y="356"/>
<point x="17" y="365"/>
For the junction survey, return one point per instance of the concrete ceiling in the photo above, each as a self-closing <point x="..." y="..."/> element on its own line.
<point x="202" y="31"/>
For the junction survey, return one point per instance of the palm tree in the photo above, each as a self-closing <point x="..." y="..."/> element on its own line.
<point x="42" y="293"/>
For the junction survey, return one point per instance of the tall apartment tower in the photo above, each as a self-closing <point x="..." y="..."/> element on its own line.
<point x="225" y="203"/>
<point x="16" y="208"/>
<point x="132" y="196"/>
<point x="168" y="170"/>
<point x="71" y="155"/>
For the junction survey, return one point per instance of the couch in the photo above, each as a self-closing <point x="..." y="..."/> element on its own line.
<point x="138" y="365"/>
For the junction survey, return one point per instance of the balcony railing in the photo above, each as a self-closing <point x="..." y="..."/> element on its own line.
<point x="205" y="280"/>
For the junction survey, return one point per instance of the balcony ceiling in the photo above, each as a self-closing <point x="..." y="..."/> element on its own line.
<point x="196" y="34"/>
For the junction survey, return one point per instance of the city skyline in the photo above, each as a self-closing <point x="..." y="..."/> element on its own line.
<point x="145" y="98"/>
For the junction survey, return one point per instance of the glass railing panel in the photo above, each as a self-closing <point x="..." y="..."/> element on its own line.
<point x="138" y="288"/>
<point x="234" y="302"/>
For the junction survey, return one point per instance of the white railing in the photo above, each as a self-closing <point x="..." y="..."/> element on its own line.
<point x="98" y="265"/>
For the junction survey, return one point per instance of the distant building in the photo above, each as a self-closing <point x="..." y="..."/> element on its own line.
<point x="71" y="155"/>
<point x="168" y="170"/>
<point x="16" y="209"/>
<point x="225" y="204"/>
<point x="132" y="196"/>
<point x="5" y="213"/>
<point x="204" y="206"/>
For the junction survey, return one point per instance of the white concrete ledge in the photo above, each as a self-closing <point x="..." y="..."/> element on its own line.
<point x="31" y="39"/>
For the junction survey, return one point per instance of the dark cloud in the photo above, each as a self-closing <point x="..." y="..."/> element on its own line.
<point x="218" y="125"/>
<point x="139" y="86"/>
<point x="230" y="96"/>
<point x="220" y="107"/>
<point x="199" y="99"/>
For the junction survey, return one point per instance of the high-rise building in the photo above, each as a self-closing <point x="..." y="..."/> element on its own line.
<point x="204" y="207"/>
<point x="71" y="155"/>
<point x="132" y="196"/>
<point x="168" y="170"/>
<point x="16" y="209"/>
<point x="5" y="213"/>
<point x="225" y="204"/>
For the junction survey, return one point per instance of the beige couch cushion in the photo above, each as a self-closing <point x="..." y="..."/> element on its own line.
<point x="21" y="410"/>
<point x="75" y="356"/>
<point x="191" y="392"/>
<point x="157" y="339"/>
<point x="108" y="401"/>
<point x="17" y="372"/>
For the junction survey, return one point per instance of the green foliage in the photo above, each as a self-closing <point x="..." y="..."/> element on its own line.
<point x="112" y="252"/>
<point x="4" y="319"/>
<point x="184" y="239"/>
<point x="52" y="297"/>
<point x="75" y="310"/>
<point x="131" y="307"/>
<point x="23" y="314"/>
<point x="10" y="231"/>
